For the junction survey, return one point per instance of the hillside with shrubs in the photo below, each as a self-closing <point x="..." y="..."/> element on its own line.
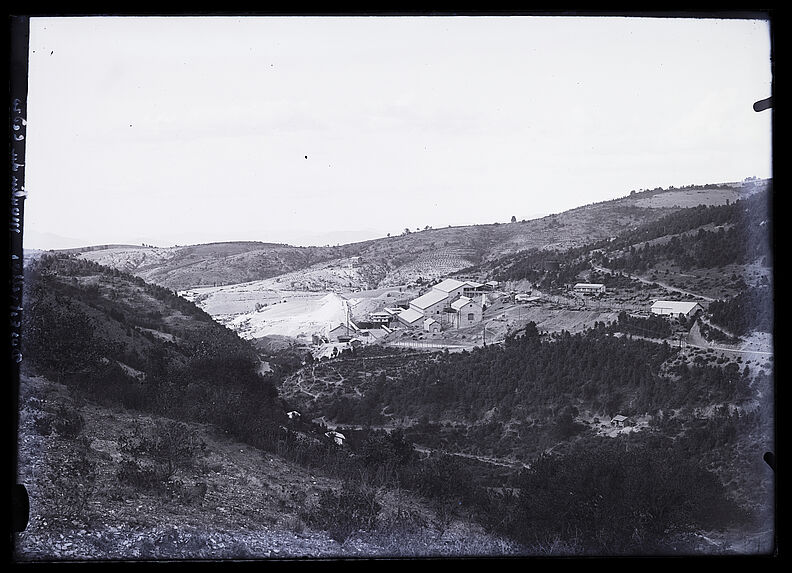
<point x="149" y="431"/>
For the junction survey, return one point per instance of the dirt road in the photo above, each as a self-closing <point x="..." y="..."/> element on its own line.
<point x="649" y="282"/>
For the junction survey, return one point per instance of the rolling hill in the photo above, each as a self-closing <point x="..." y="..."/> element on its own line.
<point x="402" y="259"/>
<point x="126" y="381"/>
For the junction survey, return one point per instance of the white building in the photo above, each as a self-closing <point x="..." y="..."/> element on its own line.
<point x="472" y="288"/>
<point x="430" y="304"/>
<point x="589" y="288"/>
<point x="620" y="421"/>
<point x="466" y="312"/>
<point x="451" y="287"/>
<point x="676" y="308"/>
<point x="431" y="325"/>
<point x="382" y="317"/>
<point x="439" y="304"/>
<point x="410" y="317"/>
<point x="337" y="437"/>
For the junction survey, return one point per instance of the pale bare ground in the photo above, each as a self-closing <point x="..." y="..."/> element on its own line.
<point x="691" y="198"/>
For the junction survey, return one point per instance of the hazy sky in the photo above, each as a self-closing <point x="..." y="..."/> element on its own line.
<point x="315" y="130"/>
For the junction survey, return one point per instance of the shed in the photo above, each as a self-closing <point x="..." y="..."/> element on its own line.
<point x="431" y="325"/>
<point x="620" y="421"/>
<point x="341" y="332"/>
<point x="337" y="437"/>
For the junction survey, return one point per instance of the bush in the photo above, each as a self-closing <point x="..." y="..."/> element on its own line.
<point x="68" y="422"/>
<point x="71" y="484"/>
<point x="342" y="514"/>
<point x="611" y="501"/>
<point x="134" y="474"/>
<point x="169" y="445"/>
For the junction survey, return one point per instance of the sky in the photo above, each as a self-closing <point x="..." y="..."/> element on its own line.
<point x="327" y="130"/>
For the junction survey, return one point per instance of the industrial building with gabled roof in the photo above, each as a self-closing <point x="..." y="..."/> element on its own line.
<point x="443" y="303"/>
<point x="449" y="285"/>
<point x="676" y="308"/>
<point x="430" y="304"/>
<point x="428" y="299"/>
<point x="466" y="312"/>
<point x="410" y="317"/>
<point x="460" y="303"/>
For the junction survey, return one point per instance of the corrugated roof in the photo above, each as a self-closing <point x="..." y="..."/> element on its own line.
<point x="674" y="306"/>
<point x="430" y="298"/>
<point x="589" y="285"/>
<point x="448" y="285"/>
<point x="460" y="302"/>
<point x="410" y="315"/>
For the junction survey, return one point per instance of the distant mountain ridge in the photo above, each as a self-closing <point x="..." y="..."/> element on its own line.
<point x="428" y="254"/>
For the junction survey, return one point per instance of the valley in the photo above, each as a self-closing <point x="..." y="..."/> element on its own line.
<point x="455" y="365"/>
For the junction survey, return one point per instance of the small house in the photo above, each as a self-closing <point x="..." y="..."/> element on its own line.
<point x="619" y="421"/>
<point x="431" y="325"/>
<point x="337" y="437"/>
<point x="293" y="415"/>
<point x="341" y="333"/>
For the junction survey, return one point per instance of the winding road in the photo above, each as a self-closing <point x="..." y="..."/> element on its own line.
<point x="650" y="282"/>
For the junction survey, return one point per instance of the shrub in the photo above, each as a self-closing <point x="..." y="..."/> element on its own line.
<point x="169" y="445"/>
<point x="610" y="500"/>
<point x="342" y="514"/>
<point x="71" y="484"/>
<point x="68" y="422"/>
<point x="133" y="474"/>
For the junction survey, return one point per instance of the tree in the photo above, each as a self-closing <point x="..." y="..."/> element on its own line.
<point x="617" y="500"/>
<point x="513" y="219"/>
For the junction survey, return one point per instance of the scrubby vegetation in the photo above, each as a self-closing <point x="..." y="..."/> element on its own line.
<point x="561" y="488"/>
<point x="702" y="237"/>
<point x="738" y="233"/>
<point x="751" y="309"/>
<point x="607" y="497"/>
<point x="91" y="328"/>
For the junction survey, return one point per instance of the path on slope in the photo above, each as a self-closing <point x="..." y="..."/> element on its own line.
<point x="650" y="282"/>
